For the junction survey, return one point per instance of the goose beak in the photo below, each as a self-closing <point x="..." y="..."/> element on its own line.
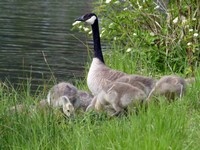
<point x="80" y="19"/>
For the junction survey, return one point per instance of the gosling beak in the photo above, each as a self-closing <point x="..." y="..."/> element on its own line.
<point x="80" y="19"/>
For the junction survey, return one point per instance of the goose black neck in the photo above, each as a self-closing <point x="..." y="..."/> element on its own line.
<point x="97" y="43"/>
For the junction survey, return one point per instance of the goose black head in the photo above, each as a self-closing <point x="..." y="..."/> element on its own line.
<point x="88" y="18"/>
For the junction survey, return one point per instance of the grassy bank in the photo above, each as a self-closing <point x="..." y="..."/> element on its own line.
<point x="162" y="126"/>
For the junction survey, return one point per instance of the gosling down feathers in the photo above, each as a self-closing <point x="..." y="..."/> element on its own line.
<point x="62" y="89"/>
<point x="117" y="96"/>
<point x="146" y="84"/>
<point x="78" y="98"/>
<point x="169" y="86"/>
<point x="85" y="99"/>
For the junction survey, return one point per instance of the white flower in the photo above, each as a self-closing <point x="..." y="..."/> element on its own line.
<point x="184" y="20"/>
<point x="152" y="34"/>
<point x="108" y="1"/>
<point x="188" y="44"/>
<point x="90" y="32"/>
<point x="101" y="34"/>
<point x="110" y="25"/>
<point x="75" y="23"/>
<point x="194" y="19"/>
<point x="157" y="7"/>
<point x="140" y="7"/>
<point x="102" y="31"/>
<point x="175" y="20"/>
<point x="195" y="34"/>
<point x="115" y="38"/>
<point x="80" y="27"/>
<point x="85" y="29"/>
<point x="190" y="30"/>
<point x="134" y="34"/>
<point x="125" y="8"/>
<point x="187" y="26"/>
<point x="117" y="2"/>
<point x="128" y="50"/>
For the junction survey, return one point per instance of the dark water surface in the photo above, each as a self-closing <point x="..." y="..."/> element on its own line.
<point x="31" y="29"/>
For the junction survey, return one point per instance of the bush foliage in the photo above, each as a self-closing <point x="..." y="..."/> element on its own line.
<point x="165" y="33"/>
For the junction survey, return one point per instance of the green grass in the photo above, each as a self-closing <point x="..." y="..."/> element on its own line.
<point x="162" y="126"/>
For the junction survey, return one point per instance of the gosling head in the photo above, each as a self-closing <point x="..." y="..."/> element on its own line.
<point x="89" y="18"/>
<point x="68" y="108"/>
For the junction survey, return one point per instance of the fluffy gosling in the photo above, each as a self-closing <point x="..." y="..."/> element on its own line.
<point x="169" y="86"/>
<point x="118" y="96"/>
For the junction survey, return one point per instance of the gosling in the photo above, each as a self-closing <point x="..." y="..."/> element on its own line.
<point x="146" y="84"/>
<point x="63" y="89"/>
<point x="118" y="96"/>
<point x="169" y="86"/>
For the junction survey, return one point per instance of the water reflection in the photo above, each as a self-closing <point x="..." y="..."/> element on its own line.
<point x="31" y="30"/>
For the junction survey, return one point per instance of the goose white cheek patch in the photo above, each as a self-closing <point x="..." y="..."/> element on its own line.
<point x="91" y="20"/>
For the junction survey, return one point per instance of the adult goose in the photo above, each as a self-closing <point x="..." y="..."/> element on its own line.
<point x="99" y="74"/>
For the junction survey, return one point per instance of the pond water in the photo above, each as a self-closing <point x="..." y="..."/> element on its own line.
<point x="34" y="31"/>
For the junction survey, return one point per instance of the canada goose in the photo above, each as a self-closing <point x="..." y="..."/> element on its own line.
<point x="118" y="96"/>
<point x="169" y="86"/>
<point x="63" y="89"/>
<point x="85" y="99"/>
<point x="99" y="74"/>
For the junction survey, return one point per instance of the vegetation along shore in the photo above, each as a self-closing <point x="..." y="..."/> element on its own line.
<point x="158" y="43"/>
